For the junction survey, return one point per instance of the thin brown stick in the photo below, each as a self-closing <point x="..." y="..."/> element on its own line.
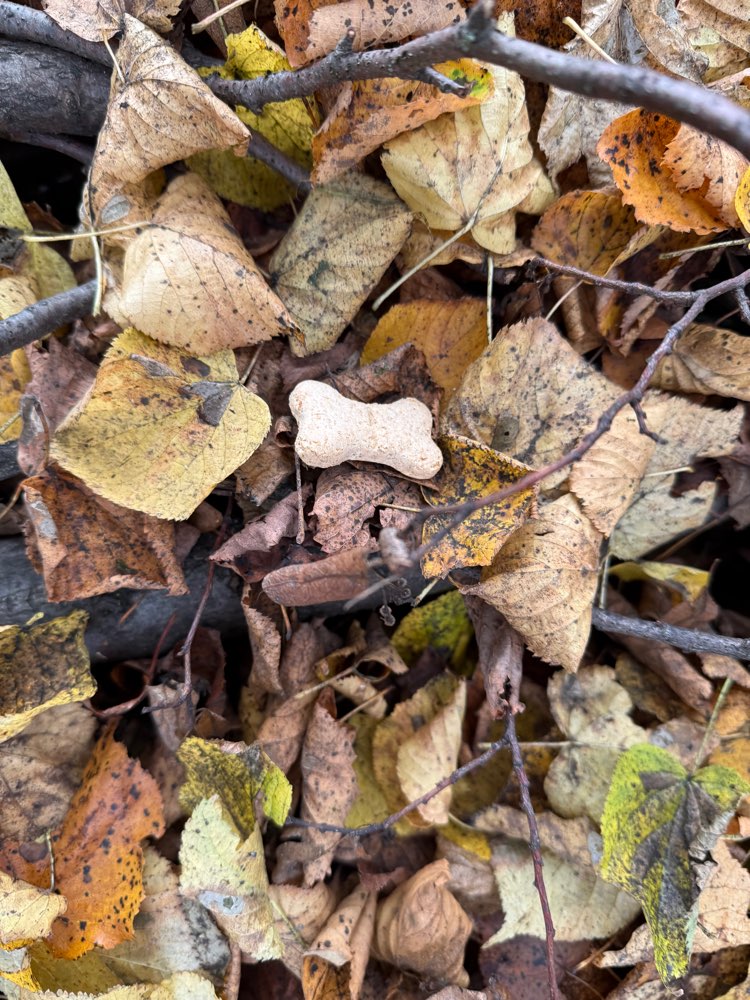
<point x="261" y="149"/>
<point x="690" y="640"/>
<point x="41" y="318"/>
<point x="630" y="397"/>
<point x="535" y="846"/>
<point x="478" y="38"/>
<point x="628" y="287"/>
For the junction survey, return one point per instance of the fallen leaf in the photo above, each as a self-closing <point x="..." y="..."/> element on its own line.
<point x="441" y="624"/>
<point x="340" y="577"/>
<point x="475" y="167"/>
<point x="686" y="582"/>
<point x="593" y="711"/>
<point x="42" y="665"/>
<point x="172" y="933"/>
<point x="636" y="147"/>
<point x="14" y="374"/>
<point x="544" y="581"/>
<point x="529" y="395"/>
<point x="421" y="928"/>
<point x="160" y="429"/>
<point x="707" y="359"/>
<point x="368" y="113"/>
<point x="500" y="655"/>
<point x="41" y="768"/>
<point x="179" y="986"/>
<point x="338" y="248"/>
<point x="159" y="112"/>
<point x="472" y="471"/>
<point x="97" y="19"/>
<point x="450" y="333"/>
<point x="226" y="872"/>
<point x="188" y="280"/>
<point x="26" y="913"/>
<point x="265" y="644"/>
<point x="288" y="125"/>
<point x="86" y="545"/>
<point x="300" y="914"/>
<point x="583" y="906"/>
<point x="341" y="950"/>
<point x="97" y="852"/>
<point x="659" y="825"/>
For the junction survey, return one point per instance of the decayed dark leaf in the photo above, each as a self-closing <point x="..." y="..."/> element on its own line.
<point x="340" y="577"/>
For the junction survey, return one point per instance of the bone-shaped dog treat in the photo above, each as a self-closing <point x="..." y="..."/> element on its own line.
<point x="334" y="429"/>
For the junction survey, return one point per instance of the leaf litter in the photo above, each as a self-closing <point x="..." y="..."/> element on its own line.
<point x="382" y="644"/>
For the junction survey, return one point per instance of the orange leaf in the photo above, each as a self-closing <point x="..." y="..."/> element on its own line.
<point x="98" y="860"/>
<point x="635" y="146"/>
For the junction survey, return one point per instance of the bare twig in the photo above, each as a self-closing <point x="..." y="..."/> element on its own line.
<point x="80" y="151"/>
<point x="535" y="846"/>
<point x="389" y="821"/>
<point x="478" y="38"/>
<point x="690" y="640"/>
<point x="461" y="511"/>
<point x="41" y="318"/>
<point x="261" y="149"/>
<point x="627" y="287"/>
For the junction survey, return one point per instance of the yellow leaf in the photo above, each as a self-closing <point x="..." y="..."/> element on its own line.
<point x="544" y="581"/>
<point x="742" y="200"/>
<point x="473" y="166"/>
<point x="26" y="913"/>
<point x="226" y="873"/>
<point x="337" y="250"/>
<point x="288" y="125"/>
<point x="159" y="429"/>
<point x="685" y="580"/>
<point x="188" y="280"/>
<point x="41" y="666"/>
<point x="442" y="624"/>
<point x="14" y="374"/>
<point x="707" y="359"/>
<point x="160" y="112"/>
<point x="473" y="470"/>
<point x="450" y="333"/>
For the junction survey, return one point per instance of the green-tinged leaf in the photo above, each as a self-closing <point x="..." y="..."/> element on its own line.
<point x="442" y="624"/>
<point x="659" y="825"/>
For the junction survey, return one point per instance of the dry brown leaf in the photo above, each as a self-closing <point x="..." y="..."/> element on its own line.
<point x="339" y="577"/>
<point x="477" y="166"/>
<point x="300" y="914"/>
<point x="97" y="19"/>
<point x="368" y="113"/>
<point x="188" y="280"/>
<point x="342" y="948"/>
<point x="637" y="145"/>
<point x="529" y="395"/>
<point x="265" y="644"/>
<point x="86" y="545"/>
<point x="338" y="248"/>
<point x="544" y="581"/>
<point x="500" y="654"/>
<point x="450" y="333"/>
<point x="161" y="113"/>
<point x="725" y="21"/>
<point x="421" y="928"/>
<point x="707" y="359"/>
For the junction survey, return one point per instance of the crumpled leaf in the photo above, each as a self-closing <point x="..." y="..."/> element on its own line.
<point x="451" y="333"/>
<point x="97" y="852"/>
<point x="441" y="624"/>
<point x="188" y="280"/>
<point x="421" y="928"/>
<point x="226" y="872"/>
<point x="471" y="471"/>
<point x="300" y="914"/>
<point x="529" y="395"/>
<point x="42" y="665"/>
<point x="707" y="359"/>
<point x="236" y="773"/>
<point x="97" y="19"/>
<point x="659" y="825"/>
<point x="665" y="178"/>
<point x="339" y="577"/>
<point x="172" y="933"/>
<point x="367" y="113"/>
<point x="159" y="429"/>
<point x="476" y="166"/>
<point x="26" y="913"/>
<point x="161" y="113"/>
<point x="338" y="248"/>
<point x="341" y="949"/>
<point x="288" y="125"/>
<point x="544" y="581"/>
<point x="593" y="711"/>
<point x="86" y="545"/>
<point x="179" y="986"/>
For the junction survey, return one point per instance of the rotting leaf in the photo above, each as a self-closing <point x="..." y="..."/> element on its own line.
<point x="441" y="624"/>
<point x="659" y="826"/>
<point x="188" y="280"/>
<point x="42" y="665"/>
<point x="160" y="443"/>
<point x="472" y="471"/>
<point x="338" y="248"/>
<point x="544" y="581"/>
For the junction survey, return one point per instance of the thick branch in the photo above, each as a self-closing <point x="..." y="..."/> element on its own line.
<point x="27" y="25"/>
<point x="43" y="317"/>
<point x="683" y="638"/>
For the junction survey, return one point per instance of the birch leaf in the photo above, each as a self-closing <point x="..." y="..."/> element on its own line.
<point x="159" y="429"/>
<point x="97" y="19"/>
<point x="707" y="359"/>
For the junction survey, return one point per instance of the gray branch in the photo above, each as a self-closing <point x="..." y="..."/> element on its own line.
<point x="41" y="318"/>
<point x="682" y="638"/>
